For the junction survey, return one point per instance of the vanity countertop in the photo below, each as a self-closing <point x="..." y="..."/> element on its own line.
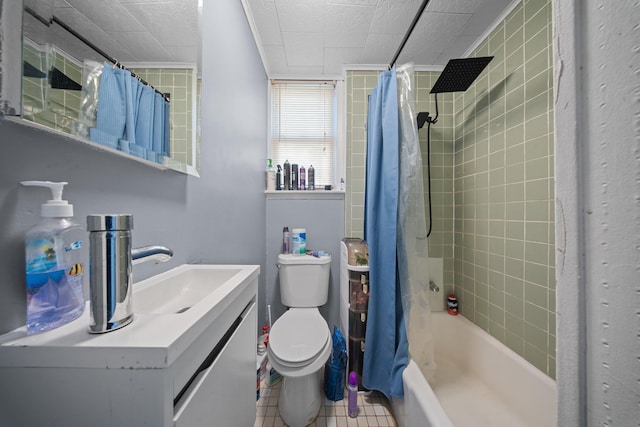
<point x="152" y="340"/>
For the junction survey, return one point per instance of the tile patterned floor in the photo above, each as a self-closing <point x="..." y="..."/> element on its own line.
<point x="373" y="411"/>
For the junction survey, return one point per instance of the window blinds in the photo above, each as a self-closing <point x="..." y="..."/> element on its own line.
<point x="303" y="127"/>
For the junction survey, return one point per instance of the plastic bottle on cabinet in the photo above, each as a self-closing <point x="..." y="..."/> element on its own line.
<point x="54" y="267"/>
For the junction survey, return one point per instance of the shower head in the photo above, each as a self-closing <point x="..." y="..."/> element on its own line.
<point x="458" y="75"/>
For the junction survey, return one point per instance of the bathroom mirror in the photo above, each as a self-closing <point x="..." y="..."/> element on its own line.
<point x="65" y="41"/>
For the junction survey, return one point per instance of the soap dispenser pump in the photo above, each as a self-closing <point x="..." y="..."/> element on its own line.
<point x="54" y="264"/>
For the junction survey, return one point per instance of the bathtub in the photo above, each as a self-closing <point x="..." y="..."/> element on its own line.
<point x="478" y="382"/>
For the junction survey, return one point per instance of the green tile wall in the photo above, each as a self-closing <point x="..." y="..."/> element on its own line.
<point x="492" y="183"/>
<point x="503" y="179"/>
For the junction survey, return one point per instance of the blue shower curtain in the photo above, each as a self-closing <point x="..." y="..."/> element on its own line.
<point x="386" y="352"/>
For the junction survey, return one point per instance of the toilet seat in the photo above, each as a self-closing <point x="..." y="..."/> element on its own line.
<point x="298" y="337"/>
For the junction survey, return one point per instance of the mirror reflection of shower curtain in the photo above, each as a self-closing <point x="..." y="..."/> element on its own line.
<point x="412" y="246"/>
<point x="119" y="111"/>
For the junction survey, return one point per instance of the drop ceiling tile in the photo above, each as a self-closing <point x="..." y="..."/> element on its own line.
<point x="102" y="13"/>
<point x="347" y="25"/>
<point x="148" y="48"/>
<point x="266" y="20"/>
<point x="380" y="48"/>
<point x="301" y="16"/>
<point x="434" y="32"/>
<point x="154" y="16"/>
<point x="303" y="49"/>
<point x="393" y="17"/>
<point x="336" y="57"/>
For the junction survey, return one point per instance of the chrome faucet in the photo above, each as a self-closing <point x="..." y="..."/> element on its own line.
<point x="110" y="272"/>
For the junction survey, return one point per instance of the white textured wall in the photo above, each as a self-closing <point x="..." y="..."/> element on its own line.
<point x="598" y="211"/>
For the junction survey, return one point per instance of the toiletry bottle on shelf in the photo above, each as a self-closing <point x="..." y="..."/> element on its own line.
<point x="54" y="264"/>
<point x="287" y="175"/>
<point x="311" y="178"/>
<point x="352" y="387"/>
<point x="294" y="176"/>
<point x="301" y="185"/>
<point x="271" y="176"/>
<point x="279" y="178"/>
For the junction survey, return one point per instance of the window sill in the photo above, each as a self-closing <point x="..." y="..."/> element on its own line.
<point x="304" y="195"/>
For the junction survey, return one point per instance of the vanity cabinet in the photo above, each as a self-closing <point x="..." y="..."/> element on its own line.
<point x="161" y="370"/>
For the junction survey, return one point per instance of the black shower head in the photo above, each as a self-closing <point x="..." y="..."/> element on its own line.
<point x="458" y="75"/>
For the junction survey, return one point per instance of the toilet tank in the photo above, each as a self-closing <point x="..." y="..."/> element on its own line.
<point x="304" y="280"/>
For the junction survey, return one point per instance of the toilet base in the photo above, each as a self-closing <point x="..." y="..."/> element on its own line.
<point x="300" y="399"/>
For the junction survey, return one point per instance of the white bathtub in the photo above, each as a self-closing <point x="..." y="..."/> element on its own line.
<point x="478" y="382"/>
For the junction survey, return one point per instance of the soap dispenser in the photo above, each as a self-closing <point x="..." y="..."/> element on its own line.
<point x="54" y="267"/>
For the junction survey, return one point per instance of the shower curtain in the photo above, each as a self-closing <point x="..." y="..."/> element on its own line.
<point x="396" y="235"/>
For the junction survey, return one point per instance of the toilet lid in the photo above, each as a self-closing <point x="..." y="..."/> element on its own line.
<point x="298" y="336"/>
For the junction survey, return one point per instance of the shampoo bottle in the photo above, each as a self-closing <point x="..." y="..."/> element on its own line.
<point x="271" y="176"/>
<point x="54" y="267"/>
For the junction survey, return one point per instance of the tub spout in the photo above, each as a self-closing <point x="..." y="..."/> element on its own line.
<point x="433" y="287"/>
<point x="150" y="253"/>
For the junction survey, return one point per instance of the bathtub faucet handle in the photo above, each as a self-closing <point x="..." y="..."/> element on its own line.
<point x="433" y="287"/>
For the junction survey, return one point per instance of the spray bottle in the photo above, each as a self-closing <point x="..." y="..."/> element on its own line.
<point x="287" y="175"/>
<point x="279" y="178"/>
<point x="54" y="267"/>
<point x="311" y="181"/>
<point x="352" y="387"/>
<point x="302" y="178"/>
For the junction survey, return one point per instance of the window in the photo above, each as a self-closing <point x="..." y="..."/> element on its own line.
<point x="303" y="127"/>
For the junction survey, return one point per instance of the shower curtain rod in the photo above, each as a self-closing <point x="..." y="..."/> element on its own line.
<point x="93" y="47"/>
<point x="423" y="6"/>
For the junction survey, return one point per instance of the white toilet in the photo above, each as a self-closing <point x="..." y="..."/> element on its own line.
<point x="300" y="340"/>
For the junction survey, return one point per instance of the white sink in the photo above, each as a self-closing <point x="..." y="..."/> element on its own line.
<point x="178" y="290"/>
<point x="170" y="311"/>
<point x="189" y="355"/>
